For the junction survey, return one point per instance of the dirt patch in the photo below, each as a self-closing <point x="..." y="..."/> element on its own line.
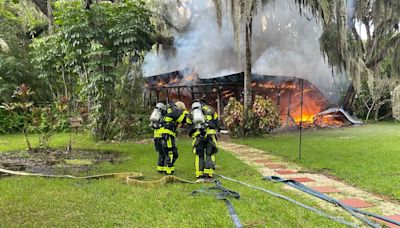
<point x="57" y="161"/>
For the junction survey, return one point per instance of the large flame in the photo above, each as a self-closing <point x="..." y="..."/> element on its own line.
<point x="297" y="104"/>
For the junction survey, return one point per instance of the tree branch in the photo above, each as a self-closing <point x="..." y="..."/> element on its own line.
<point x="41" y="5"/>
<point x="381" y="54"/>
<point x="358" y="39"/>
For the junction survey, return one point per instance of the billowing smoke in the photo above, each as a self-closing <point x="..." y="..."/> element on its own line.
<point x="203" y="47"/>
<point x="284" y="44"/>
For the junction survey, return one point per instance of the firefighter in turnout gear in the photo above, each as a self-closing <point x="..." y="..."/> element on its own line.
<point x="156" y="119"/>
<point x="164" y="137"/>
<point x="203" y="127"/>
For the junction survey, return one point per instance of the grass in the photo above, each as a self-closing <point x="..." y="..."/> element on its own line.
<point x="366" y="156"/>
<point x="78" y="162"/>
<point x="41" y="202"/>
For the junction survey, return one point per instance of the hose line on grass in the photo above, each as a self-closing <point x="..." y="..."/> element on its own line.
<point x="353" y="211"/>
<point x="323" y="214"/>
<point x="133" y="178"/>
<point x="222" y="194"/>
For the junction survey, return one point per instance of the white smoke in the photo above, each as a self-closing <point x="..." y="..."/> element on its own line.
<point x="285" y="43"/>
<point x="203" y="47"/>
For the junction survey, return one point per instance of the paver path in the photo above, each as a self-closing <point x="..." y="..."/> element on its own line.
<point x="270" y="165"/>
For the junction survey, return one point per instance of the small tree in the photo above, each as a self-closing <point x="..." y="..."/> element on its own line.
<point x="48" y="120"/>
<point x="89" y="46"/>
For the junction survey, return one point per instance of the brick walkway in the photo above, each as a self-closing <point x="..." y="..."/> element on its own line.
<point x="270" y="165"/>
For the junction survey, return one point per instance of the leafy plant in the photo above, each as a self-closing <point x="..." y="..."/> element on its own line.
<point x="233" y="117"/>
<point x="10" y="121"/>
<point x="88" y="46"/>
<point x="262" y="118"/>
<point x="47" y="121"/>
<point x="44" y="121"/>
<point x="19" y="22"/>
<point x="266" y="115"/>
<point x="23" y="95"/>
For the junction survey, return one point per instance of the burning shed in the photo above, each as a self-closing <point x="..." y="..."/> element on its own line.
<point x="288" y="93"/>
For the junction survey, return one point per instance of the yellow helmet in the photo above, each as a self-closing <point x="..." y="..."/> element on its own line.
<point x="180" y="105"/>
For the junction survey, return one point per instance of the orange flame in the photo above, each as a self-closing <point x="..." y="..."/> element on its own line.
<point x="286" y="95"/>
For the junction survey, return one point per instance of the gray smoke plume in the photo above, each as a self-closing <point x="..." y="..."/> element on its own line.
<point x="284" y="44"/>
<point x="203" y="47"/>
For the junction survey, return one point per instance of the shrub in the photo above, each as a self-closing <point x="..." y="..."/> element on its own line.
<point x="136" y="126"/>
<point x="233" y="117"/>
<point x="266" y="116"/>
<point x="262" y="118"/>
<point x="10" y="122"/>
<point x="46" y="121"/>
<point x="25" y="116"/>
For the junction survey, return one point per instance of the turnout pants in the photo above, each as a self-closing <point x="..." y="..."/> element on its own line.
<point x="205" y="148"/>
<point x="167" y="153"/>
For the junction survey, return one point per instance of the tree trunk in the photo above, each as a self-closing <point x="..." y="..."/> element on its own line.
<point x="26" y="131"/>
<point x="247" y="78"/>
<point x="247" y="73"/>
<point x="370" y="108"/>
<point x="41" y="5"/>
<point x="349" y="99"/>
<point x="50" y="15"/>
<point x="377" y="109"/>
<point x="64" y="81"/>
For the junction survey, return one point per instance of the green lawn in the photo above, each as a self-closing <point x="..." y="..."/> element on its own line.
<point x="366" y="156"/>
<point x="41" y="202"/>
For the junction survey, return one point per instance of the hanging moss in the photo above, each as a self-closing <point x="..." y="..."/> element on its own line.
<point x="396" y="61"/>
<point x="396" y="102"/>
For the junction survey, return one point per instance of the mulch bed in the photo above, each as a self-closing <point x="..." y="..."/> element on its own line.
<point x="56" y="161"/>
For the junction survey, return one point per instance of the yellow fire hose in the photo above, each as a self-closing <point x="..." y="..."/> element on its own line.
<point x="133" y="178"/>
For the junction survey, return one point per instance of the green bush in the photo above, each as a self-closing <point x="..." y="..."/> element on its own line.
<point x="262" y="118"/>
<point x="10" y="122"/>
<point x="233" y="117"/>
<point x="46" y="121"/>
<point x="137" y="126"/>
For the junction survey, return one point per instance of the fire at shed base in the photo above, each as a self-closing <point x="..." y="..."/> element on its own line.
<point x="288" y="93"/>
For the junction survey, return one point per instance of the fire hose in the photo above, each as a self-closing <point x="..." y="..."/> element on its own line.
<point x="222" y="194"/>
<point x="353" y="211"/>
<point x="135" y="178"/>
<point x="319" y="212"/>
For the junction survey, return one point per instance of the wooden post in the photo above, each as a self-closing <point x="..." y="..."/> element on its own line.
<point x="179" y="94"/>
<point x="191" y="89"/>
<point x="167" y="93"/>
<point x="289" y="106"/>
<point x="279" y="96"/>
<point x="237" y="94"/>
<point x="150" y="98"/>
<point x="157" y="95"/>
<point x="219" y="101"/>
<point x="301" y="115"/>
